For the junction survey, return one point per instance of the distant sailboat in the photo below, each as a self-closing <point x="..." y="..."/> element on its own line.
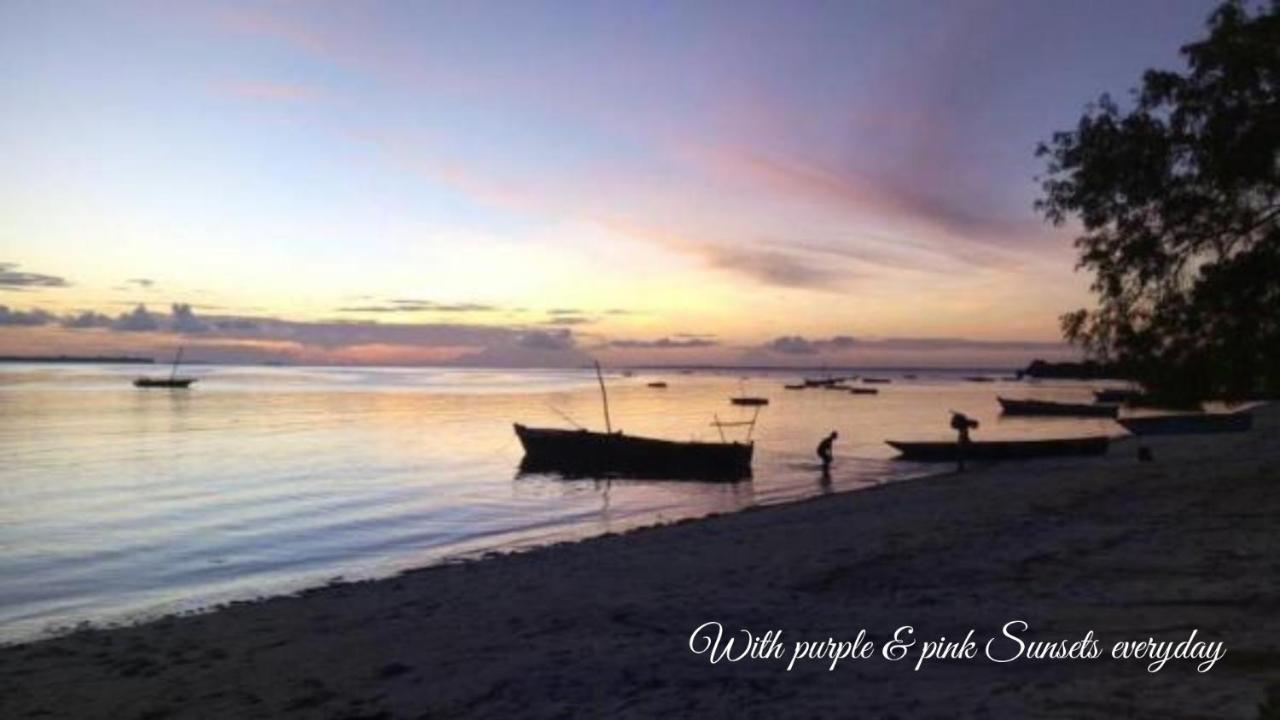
<point x="173" y="381"/>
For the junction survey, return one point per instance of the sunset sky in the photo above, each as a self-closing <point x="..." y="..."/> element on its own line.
<point x="515" y="183"/>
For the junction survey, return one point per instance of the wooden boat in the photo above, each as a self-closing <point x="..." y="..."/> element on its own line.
<point x="658" y="384"/>
<point x="801" y="386"/>
<point x="172" y="382"/>
<point x="876" y="380"/>
<point x="582" y="452"/>
<point x="1115" y="396"/>
<point x="1044" y="407"/>
<point x="863" y="391"/>
<point x="980" y="378"/>
<point x="749" y="401"/>
<point x="1000" y="449"/>
<point x="585" y="453"/>
<point x="1189" y="424"/>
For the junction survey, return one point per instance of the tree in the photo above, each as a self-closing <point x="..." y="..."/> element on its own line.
<point x="1178" y="198"/>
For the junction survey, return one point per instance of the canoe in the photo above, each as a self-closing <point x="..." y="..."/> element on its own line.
<point x="749" y="401"/>
<point x="1001" y="449"/>
<point x="163" y="382"/>
<point x="1057" y="409"/>
<point x="980" y="378"/>
<point x="795" y="387"/>
<point x="1189" y="424"/>
<point x="864" y="391"/>
<point x="584" y="453"/>
<point x="876" y="381"/>
<point x="657" y="385"/>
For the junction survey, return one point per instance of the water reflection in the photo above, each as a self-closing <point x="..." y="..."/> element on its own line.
<point x="115" y="501"/>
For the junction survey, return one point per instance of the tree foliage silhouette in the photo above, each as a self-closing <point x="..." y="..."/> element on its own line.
<point x="1178" y="198"/>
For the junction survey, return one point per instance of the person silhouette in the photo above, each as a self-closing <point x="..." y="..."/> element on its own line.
<point x="824" y="451"/>
<point x="962" y="423"/>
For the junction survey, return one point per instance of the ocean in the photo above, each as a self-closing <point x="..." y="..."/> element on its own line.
<point x="119" y="504"/>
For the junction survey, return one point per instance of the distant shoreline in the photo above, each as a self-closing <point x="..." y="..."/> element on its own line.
<point x="123" y="359"/>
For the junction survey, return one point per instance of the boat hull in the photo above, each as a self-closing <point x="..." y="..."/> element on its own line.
<point x="1001" y="450"/>
<point x="750" y="401"/>
<point x="175" y="383"/>
<point x="1055" y="409"/>
<point x="585" y="453"/>
<point x="1189" y="424"/>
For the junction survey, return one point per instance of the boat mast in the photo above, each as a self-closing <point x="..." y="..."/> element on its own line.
<point x="608" y="426"/>
<point x="177" y="359"/>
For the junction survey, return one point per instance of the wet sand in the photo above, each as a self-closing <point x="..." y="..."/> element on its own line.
<point x="601" y="628"/>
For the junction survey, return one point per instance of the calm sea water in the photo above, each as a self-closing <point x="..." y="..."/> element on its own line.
<point x="118" y="503"/>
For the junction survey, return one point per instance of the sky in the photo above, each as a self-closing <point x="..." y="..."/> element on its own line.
<point x="497" y="183"/>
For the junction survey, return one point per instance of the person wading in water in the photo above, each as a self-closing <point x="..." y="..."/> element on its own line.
<point x="824" y="451"/>
<point x="962" y="423"/>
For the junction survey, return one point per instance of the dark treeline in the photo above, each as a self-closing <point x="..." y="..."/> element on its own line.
<point x="1178" y="197"/>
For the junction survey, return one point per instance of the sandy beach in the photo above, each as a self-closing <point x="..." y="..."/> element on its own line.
<point x="601" y="628"/>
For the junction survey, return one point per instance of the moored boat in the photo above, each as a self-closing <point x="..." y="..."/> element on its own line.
<point x="658" y="384"/>
<point x="172" y="382"/>
<point x="1189" y="424"/>
<point x="863" y="391"/>
<point x="1057" y="409"/>
<point x="585" y="452"/>
<point x="749" y="401"/>
<point x="876" y="380"/>
<point x="1000" y="449"/>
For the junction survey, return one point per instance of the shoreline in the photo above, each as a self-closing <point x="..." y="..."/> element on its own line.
<point x="600" y="625"/>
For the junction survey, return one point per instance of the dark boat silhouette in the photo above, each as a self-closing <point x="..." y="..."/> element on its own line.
<point x="658" y="385"/>
<point x="749" y="401"/>
<point x="173" y="381"/>
<point x="800" y="386"/>
<point x="877" y="380"/>
<point x="980" y="378"/>
<point x="864" y="391"/>
<point x="1056" y="409"/>
<point x="1189" y="424"/>
<point x="828" y="381"/>
<point x="583" y="452"/>
<point x="1000" y="449"/>
<point x="1115" y="396"/>
<point x="586" y="453"/>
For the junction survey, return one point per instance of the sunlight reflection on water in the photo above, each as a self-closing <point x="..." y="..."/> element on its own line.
<point x="118" y="503"/>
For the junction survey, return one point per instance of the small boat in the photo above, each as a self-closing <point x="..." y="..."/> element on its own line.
<point x="749" y="401"/>
<point x="863" y="391"/>
<point x="979" y="378"/>
<point x="172" y="382"/>
<point x="658" y="384"/>
<point x="1000" y="449"/>
<point x="1115" y="396"/>
<point x="876" y="380"/>
<point x="1189" y="424"/>
<point x="583" y="452"/>
<point x="586" y="453"/>
<point x="827" y="382"/>
<point x="1044" y="407"/>
<point x="801" y="386"/>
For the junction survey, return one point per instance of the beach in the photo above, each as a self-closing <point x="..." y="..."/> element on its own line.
<point x="601" y="627"/>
